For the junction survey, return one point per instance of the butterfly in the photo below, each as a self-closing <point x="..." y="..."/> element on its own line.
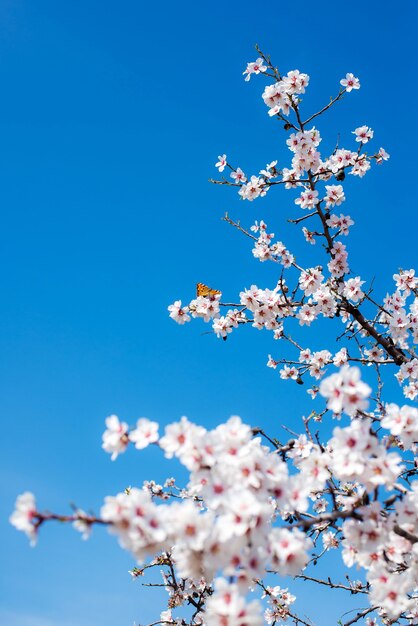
<point x="204" y="290"/>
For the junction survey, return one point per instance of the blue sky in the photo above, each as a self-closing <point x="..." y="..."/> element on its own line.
<point x="111" y="118"/>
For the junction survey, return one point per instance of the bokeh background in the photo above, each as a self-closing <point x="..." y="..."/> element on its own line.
<point x="111" y="119"/>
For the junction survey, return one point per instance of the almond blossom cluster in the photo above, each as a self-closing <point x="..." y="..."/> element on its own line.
<point x="231" y="522"/>
<point x="382" y="543"/>
<point x="279" y="96"/>
<point x="280" y="601"/>
<point x="256" y="507"/>
<point x="388" y="331"/>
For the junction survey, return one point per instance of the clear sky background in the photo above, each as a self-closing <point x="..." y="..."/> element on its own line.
<point x="111" y="118"/>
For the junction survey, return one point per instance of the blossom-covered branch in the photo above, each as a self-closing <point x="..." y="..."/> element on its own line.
<point x="259" y="505"/>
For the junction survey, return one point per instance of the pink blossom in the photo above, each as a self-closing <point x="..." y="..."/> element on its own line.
<point x="146" y="432"/>
<point x="345" y="391"/>
<point x="23" y="516"/>
<point x="350" y="82"/>
<point x="222" y="163"/>
<point x="254" y="68"/>
<point x="115" y="438"/>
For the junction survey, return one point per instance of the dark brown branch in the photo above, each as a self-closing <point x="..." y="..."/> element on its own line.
<point x="396" y="353"/>
<point x="329" y="583"/>
<point x="405" y="534"/>
<point x="359" y="615"/>
<point x="305" y="524"/>
<point x="325" y="108"/>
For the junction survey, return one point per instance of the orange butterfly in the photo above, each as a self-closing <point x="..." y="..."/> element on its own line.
<point x="204" y="290"/>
